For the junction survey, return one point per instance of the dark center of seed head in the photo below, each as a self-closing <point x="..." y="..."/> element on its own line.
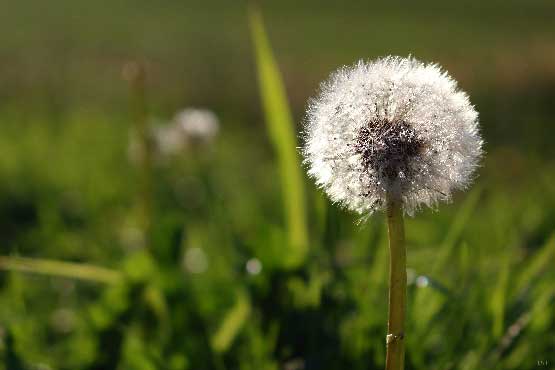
<point x="387" y="147"/>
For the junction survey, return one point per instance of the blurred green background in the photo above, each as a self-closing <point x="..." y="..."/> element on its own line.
<point x="191" y="262"/>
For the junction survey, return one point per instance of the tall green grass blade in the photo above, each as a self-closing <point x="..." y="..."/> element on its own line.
<point x="231" y="324"/>
<point x="281" y="130"/>
<point x="515" y="330"/>
<point x="456" y="229"/>
<point x="499" y="298"/>
<point x="541" y="260"/>
<point x="428" y="302"/>
<point x="61" y="269"/>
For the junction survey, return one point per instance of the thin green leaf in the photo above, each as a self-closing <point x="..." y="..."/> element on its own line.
<point x="59" y="268"/>
<point x="457" y="227"/>
<point x="540" y="261"/>
<point x="232" y="323"/>
<point x="281" y="130"/>
<point x="499" y="297"/>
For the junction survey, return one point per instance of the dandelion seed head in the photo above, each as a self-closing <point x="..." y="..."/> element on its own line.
<point x="189" y="128"/>
<point x="393" y="124"/>
<point x="197" y="124"/>
<point x="169" y="140"/>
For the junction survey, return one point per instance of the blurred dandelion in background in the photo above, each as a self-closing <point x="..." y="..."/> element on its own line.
<point x="169" y="139"/>
<point x="190" y="127"/>
<point x="197" y="125"/>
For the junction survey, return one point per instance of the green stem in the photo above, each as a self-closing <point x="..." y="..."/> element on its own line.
<point x="135" y="74"/>
<point x="395" y="357"/>
<point x="62" y="269"/>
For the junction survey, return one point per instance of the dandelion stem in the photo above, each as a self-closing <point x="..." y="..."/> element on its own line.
<point x="71" y="270"/>
<point x="135" y="74"/>
<point x="395" y="357"/>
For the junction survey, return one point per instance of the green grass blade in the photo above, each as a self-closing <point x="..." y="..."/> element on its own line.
<point x="457" y="227"/>
<point x="231" y="324"/>
<point x="538" y="262"/>
<point x="498" y="302"/>
<point x="71" y="270"/>
<point x="281" y="130"/>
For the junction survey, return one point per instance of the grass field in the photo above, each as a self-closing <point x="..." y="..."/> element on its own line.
<point x="197" y="270"/>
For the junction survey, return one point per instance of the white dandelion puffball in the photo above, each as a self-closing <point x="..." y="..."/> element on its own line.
<point x="197" y="124"/>
<point x="391" y="125"/>
<point x="189" y="127"/>
<point x="170" y="140"/>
